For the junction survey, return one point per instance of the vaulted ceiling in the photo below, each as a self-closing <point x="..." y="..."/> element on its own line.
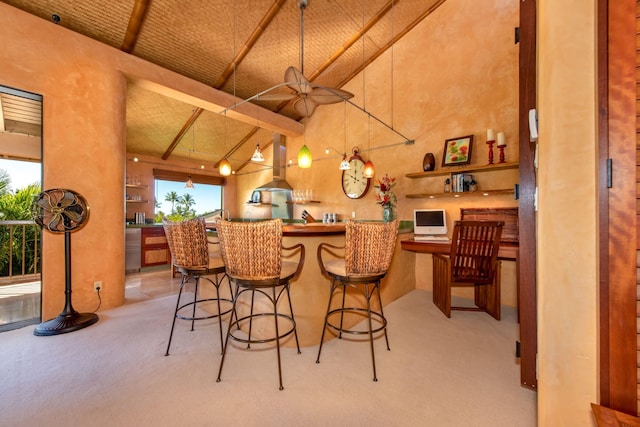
<point x="241" y="47"/>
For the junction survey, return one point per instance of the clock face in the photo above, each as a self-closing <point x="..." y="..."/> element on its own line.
<point x="354" y="183"/>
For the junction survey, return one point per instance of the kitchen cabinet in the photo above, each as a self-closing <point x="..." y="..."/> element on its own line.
<point x="155" y="249"/>
<point x="450" y="171"/>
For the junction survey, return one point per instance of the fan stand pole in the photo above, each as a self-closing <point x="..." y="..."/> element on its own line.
<point x="68" y="320"/>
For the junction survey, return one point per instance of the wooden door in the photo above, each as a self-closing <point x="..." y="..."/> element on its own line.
<point x="526" y="211"/>
<point x="617" y="203"/>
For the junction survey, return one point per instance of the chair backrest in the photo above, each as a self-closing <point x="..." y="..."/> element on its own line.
<point x="251" y="250"/>
<point x="474" y="250"/>
<point x="187" y="242"/>
<point x="369" y="246"/>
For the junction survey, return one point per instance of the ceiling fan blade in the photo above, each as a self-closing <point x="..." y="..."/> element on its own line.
<point x="277" y="97"/>
<point x="297" y="81"/>
<point x="305" y="106"/>
<point x="329" y="96"/>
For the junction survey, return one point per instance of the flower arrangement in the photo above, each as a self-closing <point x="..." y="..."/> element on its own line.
<point x="384" y="191"/>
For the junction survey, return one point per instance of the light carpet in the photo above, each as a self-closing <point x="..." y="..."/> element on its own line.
<point x="440" y="372"/>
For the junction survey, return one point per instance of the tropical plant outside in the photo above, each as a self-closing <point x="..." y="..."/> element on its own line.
<point x="18" y="242"/>
<point x="181" y="208"/>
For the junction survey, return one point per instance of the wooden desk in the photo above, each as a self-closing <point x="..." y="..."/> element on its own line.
<point x="507" y="251"/>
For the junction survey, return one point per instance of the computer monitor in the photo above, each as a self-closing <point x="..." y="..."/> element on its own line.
<point x="432" y="222"/>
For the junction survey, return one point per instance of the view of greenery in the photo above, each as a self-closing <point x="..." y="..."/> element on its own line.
<point x="181" y="207"/>
<point x="17" y="205"/>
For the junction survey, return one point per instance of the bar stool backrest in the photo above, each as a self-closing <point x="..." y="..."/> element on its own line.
<point x="187" y="242"/>
<point x="251" y="250"/>
<point x="369" y="246"/>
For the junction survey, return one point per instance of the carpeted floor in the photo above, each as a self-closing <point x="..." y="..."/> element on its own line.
<point x="439" y="372"/>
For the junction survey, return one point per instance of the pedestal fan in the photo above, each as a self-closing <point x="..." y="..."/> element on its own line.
<point x="63" y="211"/>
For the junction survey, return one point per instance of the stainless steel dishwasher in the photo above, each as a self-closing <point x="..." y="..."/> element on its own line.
<point x="133" y="248"/>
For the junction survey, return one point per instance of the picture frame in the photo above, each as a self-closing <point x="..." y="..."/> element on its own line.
<point x="457" y="151"/>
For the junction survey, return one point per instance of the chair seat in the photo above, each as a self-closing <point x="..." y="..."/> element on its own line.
<point x="287" y="272"/>
<point x="216" y="266"/>
<point x="337" y="268"/>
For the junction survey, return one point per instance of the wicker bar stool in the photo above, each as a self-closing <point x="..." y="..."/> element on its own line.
<point x="253" y="257"/>
<point x="190" y="255"/>
<point x="367" y="256"/>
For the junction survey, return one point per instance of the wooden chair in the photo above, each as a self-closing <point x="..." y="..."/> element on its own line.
<point x="471" y="262"/>
<point x="254" y="262"/>
<point x="191" y="257"/>
<point x="368" y="251"/>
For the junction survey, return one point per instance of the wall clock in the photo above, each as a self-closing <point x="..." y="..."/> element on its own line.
<point x="354" y="184"/>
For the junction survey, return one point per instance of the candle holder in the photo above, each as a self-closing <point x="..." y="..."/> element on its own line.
<point x="490" y="144"/>
<point x="501" y="148"/>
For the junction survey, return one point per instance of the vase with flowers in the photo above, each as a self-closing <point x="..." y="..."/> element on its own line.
<point x="386" y="197"/>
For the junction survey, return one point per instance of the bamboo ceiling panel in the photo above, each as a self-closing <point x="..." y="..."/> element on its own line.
<point x="199" y="39"/>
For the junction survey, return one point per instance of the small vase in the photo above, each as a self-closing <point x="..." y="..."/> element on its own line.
<point x="428" y="162"/>
<point x="387" y="213"/>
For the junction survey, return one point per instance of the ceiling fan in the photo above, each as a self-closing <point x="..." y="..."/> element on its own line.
<point x="307" y="95"/>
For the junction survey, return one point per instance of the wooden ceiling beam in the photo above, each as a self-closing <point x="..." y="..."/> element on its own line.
<point x="250" y="43"/>
<point x="357" y="36"/>
<point x="183" y="131"/>
<point x="276" y="6"/>
<point x="135" y="25"/>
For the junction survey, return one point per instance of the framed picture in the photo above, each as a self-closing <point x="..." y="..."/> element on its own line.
<point x="457" y="151"/>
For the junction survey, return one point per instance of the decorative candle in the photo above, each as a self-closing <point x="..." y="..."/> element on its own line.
<point x="491" y="136"/>
<point x="501" y="141"/>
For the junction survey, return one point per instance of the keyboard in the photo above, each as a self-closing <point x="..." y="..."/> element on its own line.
<point x="426" y="238"/>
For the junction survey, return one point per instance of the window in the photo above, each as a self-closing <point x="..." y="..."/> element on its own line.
<point x="197" y="201"/>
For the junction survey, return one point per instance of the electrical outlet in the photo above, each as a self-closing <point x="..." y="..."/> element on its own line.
<point x="97" y="286"/>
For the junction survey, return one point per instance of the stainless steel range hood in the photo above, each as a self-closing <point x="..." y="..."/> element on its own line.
<point x="278" y="183"/>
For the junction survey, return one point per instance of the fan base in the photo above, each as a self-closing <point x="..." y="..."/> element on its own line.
<point x="65" y="323"/>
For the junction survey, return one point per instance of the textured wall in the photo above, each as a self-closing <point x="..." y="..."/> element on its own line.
<point x="567" y="226"/>
<point x="83" y="124"/>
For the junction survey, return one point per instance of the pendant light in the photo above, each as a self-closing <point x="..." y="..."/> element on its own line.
<point x="189" y="183"/>
<point x="344" y="164"/>
<point x="369" y="169"/>
<point x="224" y="167"/>
<point x="304" y="157"/>
<point x="257" y="154"/>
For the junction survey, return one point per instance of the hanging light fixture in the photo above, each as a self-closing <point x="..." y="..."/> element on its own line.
<point x="224" y="167"/>
<point x="344" y="164"/>
<point x="257" y="155"/>
<point x="369" y="169"/>
<point x="304" y="157"/>
<point x="189" y="183"/>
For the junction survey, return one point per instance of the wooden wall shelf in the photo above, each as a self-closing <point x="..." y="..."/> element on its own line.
<point x="461" y="194"/>
<point x="450" y="171"/>
<point x="463" y="169"/>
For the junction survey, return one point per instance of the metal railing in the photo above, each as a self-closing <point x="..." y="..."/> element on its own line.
<point x="19" y="251"/>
